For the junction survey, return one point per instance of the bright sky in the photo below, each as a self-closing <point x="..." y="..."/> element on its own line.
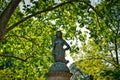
<point x="95" y="2"/>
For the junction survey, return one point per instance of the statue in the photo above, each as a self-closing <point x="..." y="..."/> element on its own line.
<point x="59" y="69"/>
<point x="58" y="50"/>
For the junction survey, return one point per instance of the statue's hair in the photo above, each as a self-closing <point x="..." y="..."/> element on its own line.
<point x="59" y="34"/>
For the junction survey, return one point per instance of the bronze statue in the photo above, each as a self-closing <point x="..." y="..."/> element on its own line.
<point x="58" y="50"/>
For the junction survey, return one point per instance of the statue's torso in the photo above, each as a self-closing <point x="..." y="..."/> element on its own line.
<point x="59" y="50"/>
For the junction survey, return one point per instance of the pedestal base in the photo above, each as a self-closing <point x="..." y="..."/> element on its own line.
<point x="59" y="76"/>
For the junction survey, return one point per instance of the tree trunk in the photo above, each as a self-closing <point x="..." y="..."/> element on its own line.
<point x="6" y="14"/>
<point x="116" y="48"/>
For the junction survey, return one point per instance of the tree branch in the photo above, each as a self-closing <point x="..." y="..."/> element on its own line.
<point x="112" y="55"/>
<point x="39" y="12"/>
<point x="116" y="48"/>
<point x="24" y="60"/>
<point x="46" y="10"/>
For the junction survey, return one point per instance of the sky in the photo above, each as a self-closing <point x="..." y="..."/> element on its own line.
<point x="95" y="2"/>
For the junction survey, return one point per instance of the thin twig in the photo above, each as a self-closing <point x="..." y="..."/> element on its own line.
<point x="24" y="60"/>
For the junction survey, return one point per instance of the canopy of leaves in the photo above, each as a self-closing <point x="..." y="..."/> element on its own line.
<point x="25" y="49"/>
<point x="25" y="40"/>
<point x="101" y="52"/>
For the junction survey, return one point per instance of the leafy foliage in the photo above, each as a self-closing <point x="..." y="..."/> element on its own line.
<point x="101" y="51"/>
<point x="25" y="41"/>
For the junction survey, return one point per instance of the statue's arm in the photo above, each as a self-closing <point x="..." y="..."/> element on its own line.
<point x="53" y="45"/>
<point x="68" y="46"/>
<point x="53" y="39"/>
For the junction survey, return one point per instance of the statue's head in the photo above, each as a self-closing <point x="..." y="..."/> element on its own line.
<point x="59" y="34"/>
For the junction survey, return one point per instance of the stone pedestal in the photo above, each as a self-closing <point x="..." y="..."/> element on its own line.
<point x="59" y="76"/>
<point x="59" y="71"/>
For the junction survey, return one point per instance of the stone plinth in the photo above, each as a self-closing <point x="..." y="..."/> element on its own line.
<point x="59" y="76"/>
<point x="59" y="71"/>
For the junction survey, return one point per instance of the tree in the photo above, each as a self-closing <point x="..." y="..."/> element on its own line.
<point x="100" y="52"/>
<point x="25" y="42"/>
